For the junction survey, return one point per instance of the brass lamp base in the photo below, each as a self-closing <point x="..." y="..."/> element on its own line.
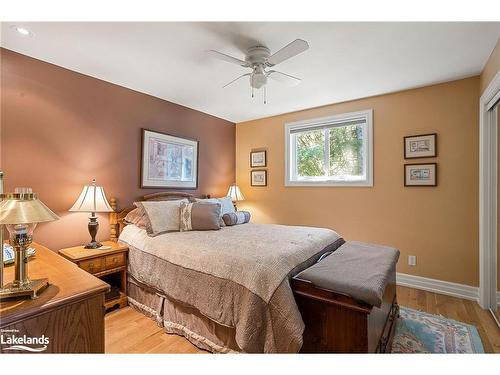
<point x="30" y="290"/>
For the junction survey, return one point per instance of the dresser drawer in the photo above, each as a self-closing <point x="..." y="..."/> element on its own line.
<point x="115" y="260"/>
<point x="92" y="265"/>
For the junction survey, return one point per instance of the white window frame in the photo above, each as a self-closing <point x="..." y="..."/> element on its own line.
<point x="339" y="119"/>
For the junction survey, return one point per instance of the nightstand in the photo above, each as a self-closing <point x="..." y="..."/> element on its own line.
<point x="109" y="265"/>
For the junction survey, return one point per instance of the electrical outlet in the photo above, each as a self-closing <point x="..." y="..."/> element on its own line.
<point x="412" y="260"/>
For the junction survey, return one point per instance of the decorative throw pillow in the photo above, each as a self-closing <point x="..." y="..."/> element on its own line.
<point x="136" y="217"/>
<point x="161" y="216"/>
<point x="235" y="218"/>
<point x="226" y="204"/>
<point x="200" y="216"/>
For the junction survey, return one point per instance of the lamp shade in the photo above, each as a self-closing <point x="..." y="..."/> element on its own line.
<point x="92" y="199"/>
<point x="235" y="193"/>
<point x="24" y="209"/>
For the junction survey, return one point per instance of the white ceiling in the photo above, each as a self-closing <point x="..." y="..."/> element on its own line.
<point x="345" y="60"/>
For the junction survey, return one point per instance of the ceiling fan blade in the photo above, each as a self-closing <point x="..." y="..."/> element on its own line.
<point x="234" y="80"/>
<point x="227" y="58"/>
<point x="290" y="50"/>
<point x="287" y="79"/>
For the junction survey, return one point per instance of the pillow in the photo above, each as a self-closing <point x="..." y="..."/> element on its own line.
<point x="226" y="203"/>
<point x="200" y="216"/>
<point x="161" y="216"/>
<point x="235" y="218"/>
<point x="136" y="217"/>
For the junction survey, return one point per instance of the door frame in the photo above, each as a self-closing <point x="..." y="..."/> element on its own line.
<point x="488" y="164"/>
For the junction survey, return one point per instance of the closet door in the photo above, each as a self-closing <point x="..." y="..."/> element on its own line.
<point x="498" y="210"/>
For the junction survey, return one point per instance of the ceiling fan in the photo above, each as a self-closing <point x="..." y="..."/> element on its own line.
<point x="259" y="58"/>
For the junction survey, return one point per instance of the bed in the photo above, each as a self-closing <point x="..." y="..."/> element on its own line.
<point x="227" y="290"/>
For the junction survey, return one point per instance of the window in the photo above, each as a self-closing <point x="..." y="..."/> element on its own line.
<point x="330" y="151"/>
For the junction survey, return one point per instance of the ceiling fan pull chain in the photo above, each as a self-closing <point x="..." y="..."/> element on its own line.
<point x="252" y="85"/>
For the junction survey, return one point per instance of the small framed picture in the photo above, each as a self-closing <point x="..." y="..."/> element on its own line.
<point x="421" y="174"/>
<point x="258" y="159"/>
<point x="420" y="146"/>
<point x="258" y="177"/>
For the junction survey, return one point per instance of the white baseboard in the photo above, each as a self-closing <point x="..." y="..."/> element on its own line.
<point x="439" y="286"/>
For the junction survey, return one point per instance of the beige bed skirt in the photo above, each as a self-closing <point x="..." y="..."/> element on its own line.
<point x="182" y="320"/>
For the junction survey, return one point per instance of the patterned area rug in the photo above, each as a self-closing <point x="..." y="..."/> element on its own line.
<point x="419" y="332"/>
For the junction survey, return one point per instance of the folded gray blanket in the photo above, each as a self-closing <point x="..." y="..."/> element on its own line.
<point x="357" y="269"/>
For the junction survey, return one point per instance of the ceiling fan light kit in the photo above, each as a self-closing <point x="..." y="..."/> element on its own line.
<point x="259" y="58"/>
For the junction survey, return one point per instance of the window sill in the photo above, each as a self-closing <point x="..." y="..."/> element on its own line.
<point x="328" y="183"/>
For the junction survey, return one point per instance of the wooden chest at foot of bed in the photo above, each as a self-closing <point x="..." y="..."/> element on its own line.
<point x="336" y="323"/>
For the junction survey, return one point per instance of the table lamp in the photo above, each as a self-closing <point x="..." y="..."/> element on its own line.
<point x="92" y="199"/>
<point x="235" y="194"/>
<point x="20" y="212"/>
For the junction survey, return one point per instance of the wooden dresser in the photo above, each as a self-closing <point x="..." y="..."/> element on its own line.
<point x="69" y="313"/>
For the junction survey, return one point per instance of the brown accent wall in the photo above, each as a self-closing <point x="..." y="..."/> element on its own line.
<point x="437" y="224"/>
<point x="60" y="129"/>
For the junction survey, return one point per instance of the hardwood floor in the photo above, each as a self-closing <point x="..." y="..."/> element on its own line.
<point x="128" y="331"/>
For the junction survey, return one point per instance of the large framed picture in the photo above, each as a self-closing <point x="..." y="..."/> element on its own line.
<point x="168" y="161"/>
<point x="420" y="146"/>
<point x="258" y="159"/>
<point x="421" y="174"/>
<point x="258" y="177"/>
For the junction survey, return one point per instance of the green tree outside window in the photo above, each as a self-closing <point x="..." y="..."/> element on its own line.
<point x="344" y="147"/>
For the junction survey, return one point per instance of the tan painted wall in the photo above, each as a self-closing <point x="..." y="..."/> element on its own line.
<point x="439" y="225"/>
<point x="491" y="68"/>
